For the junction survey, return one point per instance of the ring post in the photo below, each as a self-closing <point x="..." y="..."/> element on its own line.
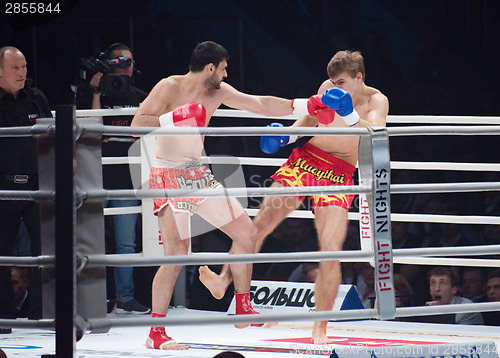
<point x="65" y="310"/>
<point x="91" y="281"/>
<point x="374" y="167"/>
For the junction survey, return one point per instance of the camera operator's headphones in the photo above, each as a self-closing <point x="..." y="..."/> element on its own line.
<point x="120" y="46"/>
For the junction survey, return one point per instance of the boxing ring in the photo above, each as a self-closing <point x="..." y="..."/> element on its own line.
<point x="74" y="291"/>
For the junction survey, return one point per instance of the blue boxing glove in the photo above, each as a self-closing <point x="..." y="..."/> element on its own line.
<point x="271" y="144"/>
<point x="340" y="101"/>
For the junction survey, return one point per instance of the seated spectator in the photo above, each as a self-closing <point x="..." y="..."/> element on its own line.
<point x="20" y="283"/>
<point x="305" y="272"/>
<point x="493" y="293"/>
<point x="443" y="288"/>
<point x="403" y="291"/>
<point x="365" y="284"/>
<point x="474" y="284"/>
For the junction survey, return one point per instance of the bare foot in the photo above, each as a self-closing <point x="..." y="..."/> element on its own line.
<point x="319" y="333"/>
<point x="213" y="282"/>
<point x="167" y="345"/>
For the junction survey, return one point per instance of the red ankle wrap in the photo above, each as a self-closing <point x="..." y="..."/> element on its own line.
<point x="244" y="306"/>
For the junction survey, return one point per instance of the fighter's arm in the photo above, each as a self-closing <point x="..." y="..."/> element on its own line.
<point x="265" y="105"/>
<point x="155" y="104"/>
<point x="378" y="113"/>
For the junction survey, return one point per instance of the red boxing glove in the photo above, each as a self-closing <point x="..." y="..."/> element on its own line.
<point x="325" y="116"/>
<point x="190" y="114"/>
<point x="314" y="104"/>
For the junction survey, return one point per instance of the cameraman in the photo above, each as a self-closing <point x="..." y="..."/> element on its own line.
<point x="118" y="176"/>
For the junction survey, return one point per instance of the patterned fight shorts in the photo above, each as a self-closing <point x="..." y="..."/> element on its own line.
<point x="310" y="166"/>
<point x="193" y="176"/>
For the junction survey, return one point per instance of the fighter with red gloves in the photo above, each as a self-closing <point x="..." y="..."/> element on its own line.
<point x="191" y="100"/>
<point x="344" y="100"/>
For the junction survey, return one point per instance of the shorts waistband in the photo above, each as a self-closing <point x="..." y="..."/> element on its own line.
<point x="188" y="165"/>
<point x="329" y="158"/>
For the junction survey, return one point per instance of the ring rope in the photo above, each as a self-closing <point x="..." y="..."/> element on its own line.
<point x="482" y="130"/>
<point x="32" y="261"/>
<point x="33" y="195"/>
<point x="223" y="258"/>
<point x="307" y="214"/>
<point x="31" y="323"/>
<point x="420" y="119"/>
<point x="99" y="323"/>
<point x="301" y="131"/>
<point x="223" y="159"/>
<point x="440" y="130"/>
<point x="127" y="194"/>
<point x="226" y="159"/>
<point x="446" y="261"/>
<point x="227" y="131"/>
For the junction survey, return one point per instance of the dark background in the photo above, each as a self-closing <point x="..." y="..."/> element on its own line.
<point x="430" y="57"/>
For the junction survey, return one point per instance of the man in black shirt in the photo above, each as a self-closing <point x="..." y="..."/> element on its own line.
<point x="20" y="105"/>
<point x="117" y="176"/>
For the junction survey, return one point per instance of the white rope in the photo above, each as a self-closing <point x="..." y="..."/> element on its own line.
<point x="487" y="167"/>
<point x="424" y="218"/>
<point x="32" y="261"/>
<point x="99" y="323"/>
<point x="416" y="119"/>
<point x="123" y="210"/>
<point x="125" y="194"/>
<point x="224" y="192"/>
<point x="231" y="131"/>
<point x="443" y="130"/>
<point x="444" y="187"/>
<point x="446" y="261"/>
<point x="226" y="159"/>
<point x="215" y="258"/>
<point x="121" y="160"/>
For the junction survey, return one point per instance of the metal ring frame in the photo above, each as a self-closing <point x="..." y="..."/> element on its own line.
<point x="416" y="256"/>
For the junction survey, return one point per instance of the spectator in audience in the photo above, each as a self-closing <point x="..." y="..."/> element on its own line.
<point x="21" y="283"/>
<point x="492" y="318"/>
<point x="305" y="272"/>
<point x="365" y="284"/>
<point x="402" y="291"/>
<point x="443" y="288"/>
<point x="474" y="284"/>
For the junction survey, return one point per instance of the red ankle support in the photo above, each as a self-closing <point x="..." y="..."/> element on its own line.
<point x="244" y="306"/>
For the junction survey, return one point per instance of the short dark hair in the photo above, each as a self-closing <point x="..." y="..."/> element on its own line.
<point x="114" y="47"/>
<point x="351" y="62"/>
<point x="494" y="273"/>
<point x="205" y="53"/>
<point x="444" y="271"/>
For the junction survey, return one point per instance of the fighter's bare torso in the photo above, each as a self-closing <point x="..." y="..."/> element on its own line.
<point x="207" y="88"/>
<point x="186" y="148"/>
<point x="369" y="103"/>
<point x="171" y="93"/>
